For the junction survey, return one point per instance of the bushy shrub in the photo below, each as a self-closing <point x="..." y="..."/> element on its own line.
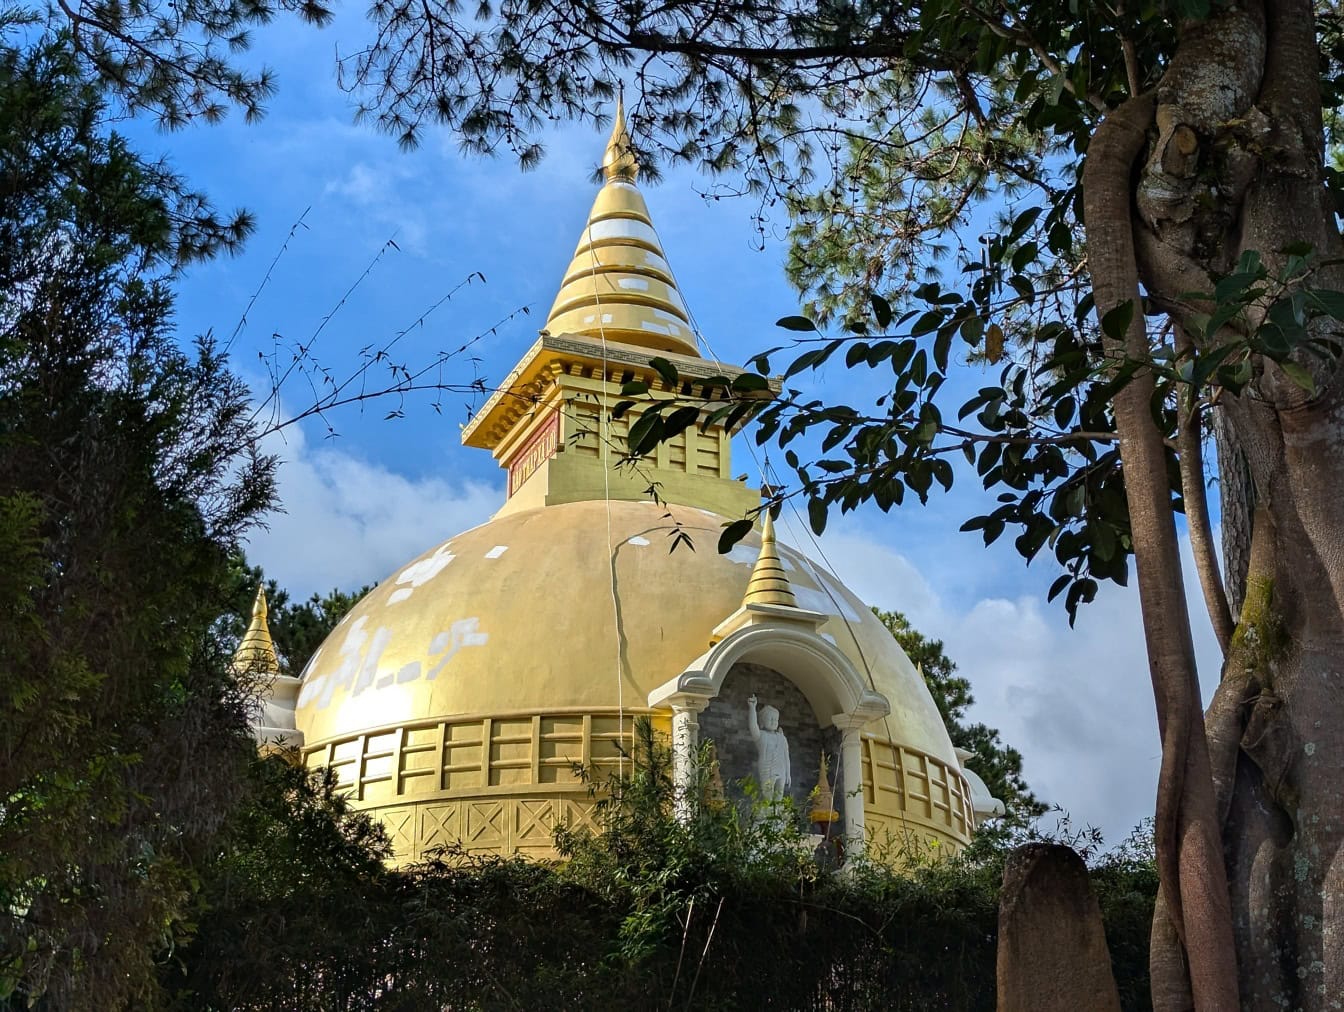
<point x="729" y="909"/>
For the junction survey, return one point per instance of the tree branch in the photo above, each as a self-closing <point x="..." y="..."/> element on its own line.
<point x="1190" y="443"/>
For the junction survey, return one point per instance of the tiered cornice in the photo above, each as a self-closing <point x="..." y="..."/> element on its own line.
<point x="619" y="287"/>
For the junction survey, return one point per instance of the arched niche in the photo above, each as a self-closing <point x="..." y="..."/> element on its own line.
<point x="785" y="642"/>
<point x="724" y="722"/>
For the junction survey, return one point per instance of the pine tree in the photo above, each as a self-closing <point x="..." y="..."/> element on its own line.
<point x="127" y="475"/>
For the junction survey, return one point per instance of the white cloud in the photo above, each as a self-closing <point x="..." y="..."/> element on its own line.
<point x="362" y="184"/>
<point x="348" y="521"/>
<point x="390" y="196"/>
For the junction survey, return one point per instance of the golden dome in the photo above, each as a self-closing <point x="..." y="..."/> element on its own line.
<point x="460" y="698"/>
<point x="618" y="287"/>
<point x="534" y="609"/>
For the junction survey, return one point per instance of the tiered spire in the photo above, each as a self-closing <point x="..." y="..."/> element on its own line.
<point x="769" y="584"/>
<point x="256" y="651"/>
<point x="273" y="719"/>
<point x="619" y="161"/>
<point x="618" y="286"/>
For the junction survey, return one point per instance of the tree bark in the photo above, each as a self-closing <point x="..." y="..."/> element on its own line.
<point x="1253" y="179"/>
<point x="1236" y="500"/>
<point x="1189" y="842"/>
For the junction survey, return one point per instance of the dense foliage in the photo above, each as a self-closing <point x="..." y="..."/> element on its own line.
<point x="125" y="480"/>
<point x="723" y="912"/>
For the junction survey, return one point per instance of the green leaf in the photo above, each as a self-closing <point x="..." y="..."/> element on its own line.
<point x="927" y="323"/>
<point x="942" y="346"/>
<point x="1235" y="376"/>
<point x="1299" y="375"/>
<point x="1330" y="302"/>
<point x="1054" y="89"/>
<point x="1250" y="263"/>
<point x="635" y="388"/>
<point x="799" y="323"/>
<point x="750" y="383"/>
<point x="733" y="533"/>
<point x="881" y="310"/>
<point x="678" y="421"/>
<point x="666" y="370"/>
<point x="645" y="433"/>
<point x="942" y="473"/>
<point x="816" y="515"/>
<point x="1232" y="287"/>
<point x="900" y="356"/>
<point x="858" y="352"/>
<point x="1025" y="254"/>
<point x="621" y="408"/>
<point x="1115" y="324"/>
<point x="1206" y="363"/>
<point x="972" y="329"/>
<point x="919" y="368"/>
<point x="1064" y="408"/>
<point x="1021" y="223"/>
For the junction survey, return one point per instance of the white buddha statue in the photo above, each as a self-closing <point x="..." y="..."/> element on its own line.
<point x="772" y="751"/>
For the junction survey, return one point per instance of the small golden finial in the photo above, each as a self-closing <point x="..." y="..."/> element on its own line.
<point x="769" y="584"/>
<point x="618" y="161"/>
<point x="713" y="785"/>
<point x="256" y="650"/>
<point x="823" y="797"/>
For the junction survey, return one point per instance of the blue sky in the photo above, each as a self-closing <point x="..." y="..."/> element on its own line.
<point x="1076" y="702"/>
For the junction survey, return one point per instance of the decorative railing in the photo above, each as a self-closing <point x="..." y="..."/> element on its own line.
<point x="498" y="783"/>
<point x="907" y="793"/>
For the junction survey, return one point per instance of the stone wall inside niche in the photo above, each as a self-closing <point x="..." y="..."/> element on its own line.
<point x="724" y="722"/>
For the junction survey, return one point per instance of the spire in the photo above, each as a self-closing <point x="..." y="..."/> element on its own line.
<point x="769" y="584"/>
<point x="619" y="287"/>
<point x="256" y="650"/>
<point x="618" y="161"/>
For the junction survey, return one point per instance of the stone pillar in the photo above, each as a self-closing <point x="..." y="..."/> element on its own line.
<point x="685" y="748"/>
<point x="851" y="772"/>
<point x="1052" y="946"/>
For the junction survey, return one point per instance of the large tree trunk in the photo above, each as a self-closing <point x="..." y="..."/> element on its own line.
<point x="1189" y="851"/>
<point x="1239" y="108"/>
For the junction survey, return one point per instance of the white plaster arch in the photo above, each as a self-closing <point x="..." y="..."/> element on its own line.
<point x="817" y="666"/>
<point x="838" y="694"/>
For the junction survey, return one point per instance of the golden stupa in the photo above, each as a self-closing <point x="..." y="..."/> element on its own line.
<point x="457" y="698"/>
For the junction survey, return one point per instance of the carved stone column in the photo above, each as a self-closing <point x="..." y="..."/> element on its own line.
<point x="685" y="747"/>
<point x="851" y="772"/>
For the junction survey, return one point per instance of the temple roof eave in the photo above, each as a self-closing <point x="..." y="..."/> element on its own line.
<point x="550" y="349"/>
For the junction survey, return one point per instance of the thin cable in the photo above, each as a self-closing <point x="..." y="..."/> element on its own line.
<point x="604" y="437"/>
<point x="872" y="681"/>
<point x="767" y="474"/>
